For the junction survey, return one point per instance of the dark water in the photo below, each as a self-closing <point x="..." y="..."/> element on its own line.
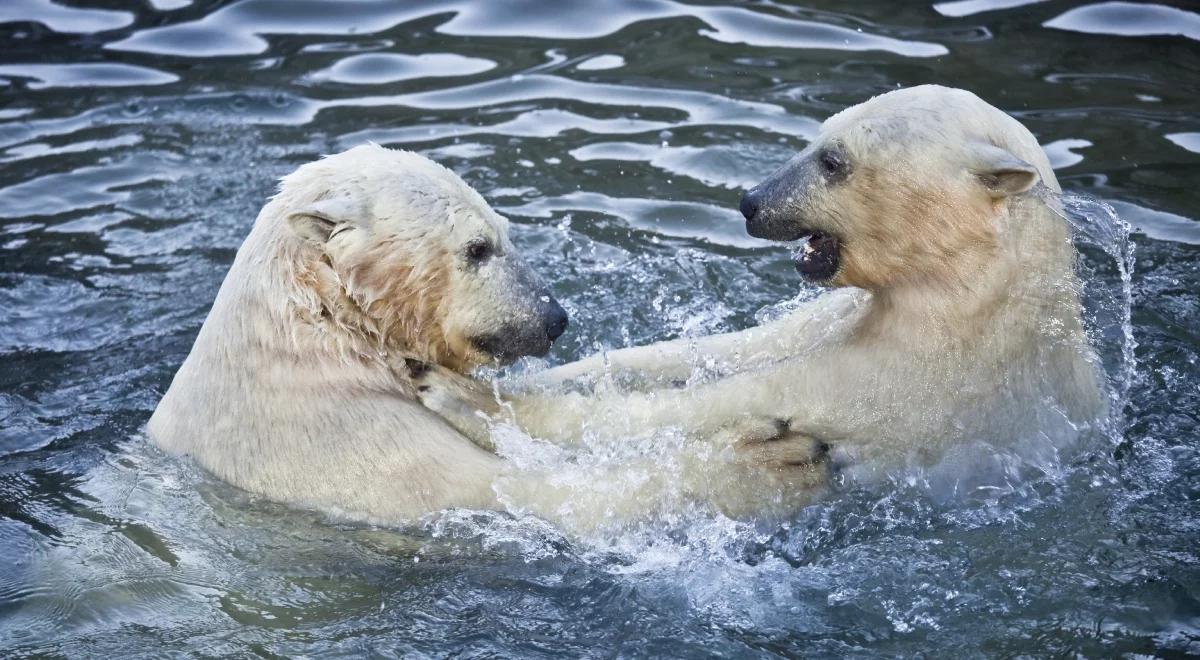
<point x="139" y="139"/>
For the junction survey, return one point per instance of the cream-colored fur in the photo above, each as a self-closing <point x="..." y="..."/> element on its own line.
<point x="297" y="387"/>
<point x="299" y="384"/>
<point x="957" y="315"/>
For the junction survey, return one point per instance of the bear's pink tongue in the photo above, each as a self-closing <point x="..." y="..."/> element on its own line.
<point x="816" y="256"/>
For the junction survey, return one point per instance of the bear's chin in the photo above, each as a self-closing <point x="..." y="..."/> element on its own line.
<point x="817" y="257"/>
<point x="497" y="352"/>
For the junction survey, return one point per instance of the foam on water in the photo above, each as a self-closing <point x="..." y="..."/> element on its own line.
<point x="747" y="575"/>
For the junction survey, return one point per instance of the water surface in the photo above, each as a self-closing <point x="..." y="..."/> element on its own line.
<point x="138" y="141"/>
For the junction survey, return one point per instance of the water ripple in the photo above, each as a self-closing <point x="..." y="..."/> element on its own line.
<point x="970" y="7"/>
<point x="681" y="219"/>
<point x="63" y="19"/>
<point x="728" y="166"/>
<point x="1189" y="141"/>
<point x="237" y="29"/>
<point x="601" y="63"/>
<point x="1129" y="19"/>
<point x="86" y="75"/>
<point x="1061" y="152"/>
<point x="85" y="187"/>
<point x="617" y="136"/>
<point x="42" y="149"/>
<point x="375" y="68"/>
<point x="1159" y="225"/>
<point x="699" y="107"/>
<point x="542" y="123"/>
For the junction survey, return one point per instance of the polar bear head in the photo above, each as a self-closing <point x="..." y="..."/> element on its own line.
<point x="397" y="248"/>
<point x="908" y="187"/>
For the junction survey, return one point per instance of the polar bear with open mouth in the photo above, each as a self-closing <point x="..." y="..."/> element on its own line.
<point x="955" y="313"/>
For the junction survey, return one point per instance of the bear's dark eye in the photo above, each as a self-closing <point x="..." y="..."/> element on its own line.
<point x="833" y="162"/>
<point x="478" y="250"/>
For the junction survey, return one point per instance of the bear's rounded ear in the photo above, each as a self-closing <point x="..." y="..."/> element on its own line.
<point x="316" y="222"/>
<point x="1002" y="173"/>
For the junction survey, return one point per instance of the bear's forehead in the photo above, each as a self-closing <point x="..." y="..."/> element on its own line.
<point x="913" y="114"/>
<point x="407" y="195"/>
<point x="396" y="169"/>
<point x="399" y="186"/>
<point x="452" y="204"/>
<point x="899" y="124"/>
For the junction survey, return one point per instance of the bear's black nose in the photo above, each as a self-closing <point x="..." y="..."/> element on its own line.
<point x="750" y="203"/>
<point x="556" y="320"/>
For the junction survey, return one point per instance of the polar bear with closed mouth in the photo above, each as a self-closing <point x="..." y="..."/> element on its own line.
<point x="367" y="268"/>
<point x="298" y="385"/>
<point x="955" y="314"/>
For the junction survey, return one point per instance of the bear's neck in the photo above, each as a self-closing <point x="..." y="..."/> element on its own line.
<point x="1027" y="279"/>
<point x="286" y="312"/>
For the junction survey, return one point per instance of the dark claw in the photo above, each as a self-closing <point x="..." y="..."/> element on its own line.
<point x="416" y="368"/>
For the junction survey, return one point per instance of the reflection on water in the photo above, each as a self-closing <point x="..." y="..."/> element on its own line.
<point x="239" y="29"/>
<point x="137" y="143"/>
<point x="1129" y="19"/>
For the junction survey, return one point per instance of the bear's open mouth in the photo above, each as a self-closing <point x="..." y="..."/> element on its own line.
<point x="817" y="255"/>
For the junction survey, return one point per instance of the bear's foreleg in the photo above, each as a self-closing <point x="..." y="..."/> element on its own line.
<point x="738" y="416"/>
<point x="468" y="405"/>
<point x="667" y="363"/>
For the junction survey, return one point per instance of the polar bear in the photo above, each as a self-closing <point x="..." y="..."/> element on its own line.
<point x="298" y="384"/>
<point x="368" y="268"/>
<point x="954" y="315"/>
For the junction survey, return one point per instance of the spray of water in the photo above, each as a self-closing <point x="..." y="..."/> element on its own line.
<point x="1105" y="266"/>
<point x="746" y="574"/>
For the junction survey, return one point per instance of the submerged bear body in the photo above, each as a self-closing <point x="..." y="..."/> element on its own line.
<point x="298" y="384"/>
<point x="368" y="269"/>
<point x="955" y="317"/>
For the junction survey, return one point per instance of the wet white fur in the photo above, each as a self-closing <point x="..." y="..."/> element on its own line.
<point x="959" y="320"/>
<point x="295" y="393"/>
<point x="297" y="387"/>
